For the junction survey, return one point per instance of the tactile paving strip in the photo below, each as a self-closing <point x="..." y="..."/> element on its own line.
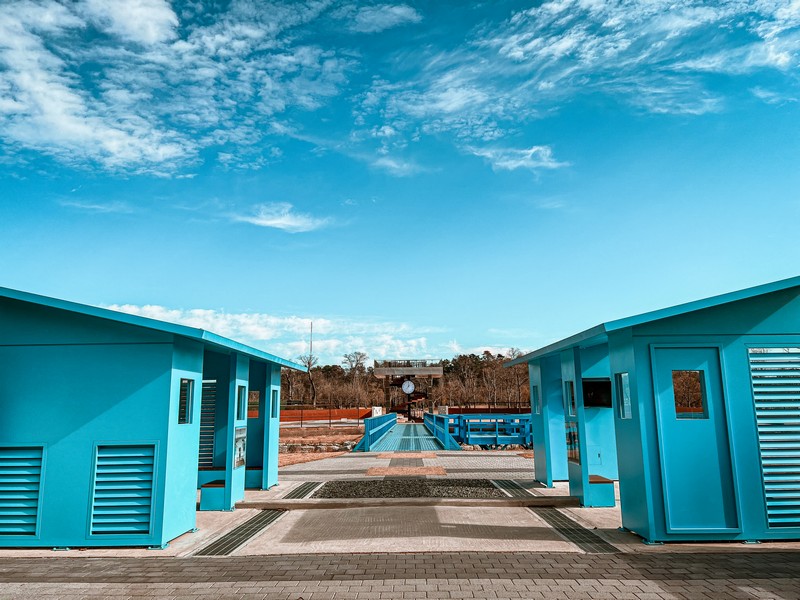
<point x="574" y="532"/>
<point x="241" y="534"/>
<point x="304" y="490"/>
<point x="513" y="489"/>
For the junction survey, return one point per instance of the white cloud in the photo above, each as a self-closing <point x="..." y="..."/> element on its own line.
<point x="159" y="90"/>
<point x="509" y="159"/>
<point x="373" y="19"/>
<point x="396" y="166"/>
<point x="281" y="215"/>
<point x="287" y="336"/>
<point x="142" y="21"/>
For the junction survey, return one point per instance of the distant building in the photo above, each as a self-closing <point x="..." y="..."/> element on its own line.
<point x="110" y="423"/>
<point x="695" y="408"/>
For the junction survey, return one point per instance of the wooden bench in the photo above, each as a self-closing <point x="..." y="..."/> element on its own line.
<point x="601" y="491"/>
<point x="212" y="495"/>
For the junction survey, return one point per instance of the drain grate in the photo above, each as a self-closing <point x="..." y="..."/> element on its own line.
<point x="573" y="531"/>
<point x="513" y="488"/>
<point x="240" y="535"/>
<point x="304" y="490"/>
<point x="406" y="462"/>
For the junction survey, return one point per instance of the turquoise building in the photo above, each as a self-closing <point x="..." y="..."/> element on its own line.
<point x="111" y="423"/>
<point x="695" y="409"/>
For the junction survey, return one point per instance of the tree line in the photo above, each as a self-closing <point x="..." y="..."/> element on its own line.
<point x="469" y="381"/>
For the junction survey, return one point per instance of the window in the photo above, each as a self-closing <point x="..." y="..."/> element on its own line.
<point x="573" y="443"/>
<point x="688" y="388"/>
<point x="569" y="396"/>
<point x="241" y="403"/>
<point x="536" y="401"/>
<point x="185" y="401"/>
<point x="275" y="403"/>
<point x="623" y="395"/>
<point x="253" y="401"/>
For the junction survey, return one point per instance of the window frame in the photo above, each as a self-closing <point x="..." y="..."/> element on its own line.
<point x="189" y="395"/>
<point x="622" y="383"/>
<point x="241" y="402"/>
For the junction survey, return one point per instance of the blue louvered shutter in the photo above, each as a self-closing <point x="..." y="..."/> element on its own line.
<point x="123" y="490"/>
<point x="775" y="376"/>
<point x="20" y="483"/>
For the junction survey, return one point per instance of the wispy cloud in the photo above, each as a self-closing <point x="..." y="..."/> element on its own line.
<point x="373" y="19"/>
<point x="162" y="88"/>
<point x="281" y="215"/>
<point x="509" y="159"/>
<point x="98" y="207"/>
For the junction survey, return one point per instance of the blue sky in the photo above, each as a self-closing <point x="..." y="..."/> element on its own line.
<point x="419" y="178"/>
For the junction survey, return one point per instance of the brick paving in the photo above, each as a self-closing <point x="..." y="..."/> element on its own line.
<point x="663" y="576"/>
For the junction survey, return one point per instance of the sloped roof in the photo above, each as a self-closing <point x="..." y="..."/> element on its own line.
<point x="206" y="337"/>
<point x="599" y="333"/>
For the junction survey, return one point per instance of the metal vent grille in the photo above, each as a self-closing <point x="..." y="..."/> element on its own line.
<point x="20" y="481"/>
<point x="123" y="490"/>
<point x="775" y="376"/>
<point x="208" y="410"/>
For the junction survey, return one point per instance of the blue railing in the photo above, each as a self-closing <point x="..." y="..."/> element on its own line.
<point x="488" y="429"/>
<point x="439" y="426"/>
<point x="374" y="429"/>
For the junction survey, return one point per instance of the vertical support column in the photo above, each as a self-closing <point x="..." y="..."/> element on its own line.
<point x="239" y="368"/>
<point x="550" y="450"/>
<point x="272" y="426"/>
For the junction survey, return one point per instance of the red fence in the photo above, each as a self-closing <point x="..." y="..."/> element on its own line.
<point x="456" y="410"/>
<point x="321" y="414"/>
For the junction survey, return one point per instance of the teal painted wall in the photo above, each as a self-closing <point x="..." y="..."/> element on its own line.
<point x="273" y="428"/>
<point x="183" y="443"/>
<point x="549" y="442"/>
<point x="633" y="460"/>
<point x="84" y="383"/>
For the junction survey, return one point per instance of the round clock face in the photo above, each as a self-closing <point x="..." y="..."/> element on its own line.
<point x="408" y="387"/>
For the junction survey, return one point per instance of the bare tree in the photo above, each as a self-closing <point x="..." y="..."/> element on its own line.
<point x="309" y="361"/>
<point x="354" y="363"/>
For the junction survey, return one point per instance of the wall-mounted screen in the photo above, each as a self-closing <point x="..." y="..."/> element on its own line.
<point x="597" y="393"/>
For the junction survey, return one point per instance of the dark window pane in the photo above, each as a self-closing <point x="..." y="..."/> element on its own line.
<point x="690" y="402"/>
<point x="274" y="404"/>
<point x="241" y="403"/>
<point x="569" y="392"/>
<point x="185" y="401"/>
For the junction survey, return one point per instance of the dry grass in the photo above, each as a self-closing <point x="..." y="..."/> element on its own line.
<point x="320" y="435"/>
<point x="296" y="458"/>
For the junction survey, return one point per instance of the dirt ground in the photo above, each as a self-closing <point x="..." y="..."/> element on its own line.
<point x="295" y="458"/>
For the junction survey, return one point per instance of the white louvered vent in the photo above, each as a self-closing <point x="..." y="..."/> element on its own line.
<point x="775" y="375"/>
<point x="20" y="482"/>
<point x="123" y="490"/>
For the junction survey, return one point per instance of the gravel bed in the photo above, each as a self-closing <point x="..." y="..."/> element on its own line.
<point x="410" y="488"/>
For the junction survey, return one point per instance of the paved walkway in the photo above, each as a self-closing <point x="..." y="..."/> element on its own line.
<point x="382" y="576"/>
<point x="476" y="549"/>
<point x="410" y="437"/>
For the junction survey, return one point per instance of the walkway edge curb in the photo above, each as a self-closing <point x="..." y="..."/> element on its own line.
<point x="329" y="503"/>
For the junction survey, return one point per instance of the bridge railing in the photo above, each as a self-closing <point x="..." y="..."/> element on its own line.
<point x="489" y="429"/>
<point x="439" y="426"/>
<point x="374" y="429"/>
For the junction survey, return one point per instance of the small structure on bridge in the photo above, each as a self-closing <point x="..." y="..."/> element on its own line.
<point x="424" y="374"/>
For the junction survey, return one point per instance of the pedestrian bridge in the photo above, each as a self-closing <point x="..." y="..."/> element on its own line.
<point x="444" y="432"/>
